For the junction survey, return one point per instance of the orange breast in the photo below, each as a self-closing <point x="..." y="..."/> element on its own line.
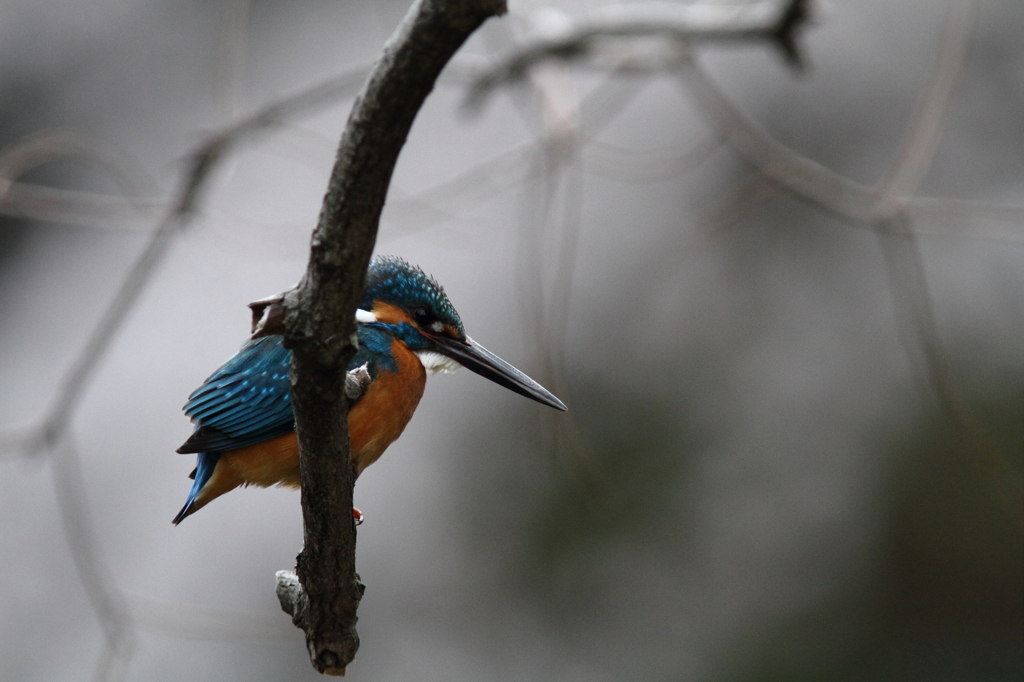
<point x="374" y="423"/>
<point x="380" y="416"/>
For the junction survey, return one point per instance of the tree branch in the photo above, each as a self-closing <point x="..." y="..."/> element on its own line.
<point x="681" y="23"/>
<point x="320" y="321"/>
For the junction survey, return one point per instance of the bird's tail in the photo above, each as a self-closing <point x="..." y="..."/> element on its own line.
<point x="206" y="462"/>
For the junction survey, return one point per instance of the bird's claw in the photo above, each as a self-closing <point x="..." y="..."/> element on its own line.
<point x="357" y="381"/>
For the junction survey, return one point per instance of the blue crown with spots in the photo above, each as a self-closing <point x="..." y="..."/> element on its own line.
<point x="393" y="280"/>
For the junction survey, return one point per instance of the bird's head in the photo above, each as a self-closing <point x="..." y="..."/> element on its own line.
<point x="413" y="307"/>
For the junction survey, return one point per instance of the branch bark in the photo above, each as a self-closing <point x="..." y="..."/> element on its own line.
<point x="320" y="323"/>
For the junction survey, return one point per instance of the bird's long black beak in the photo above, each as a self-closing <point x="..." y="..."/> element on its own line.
<point x="478" y="359"/>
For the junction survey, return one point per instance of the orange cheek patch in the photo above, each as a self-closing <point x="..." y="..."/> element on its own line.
<point x="389" y="313"/>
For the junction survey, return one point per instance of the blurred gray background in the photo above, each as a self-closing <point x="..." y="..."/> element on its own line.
<point x="757" y="479"/>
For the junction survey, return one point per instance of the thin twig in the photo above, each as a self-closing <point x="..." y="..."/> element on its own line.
<point x="945" y="217"/>
<point x="60" y="205"/>
<point x="636" y="165"/>
<point x="49" y="146"/>
<point x="915" y="312"/>
<point x="79" y="532"/>
<point x="685" y="24"/>
<point x="514" y="166"/>
<point x="803" y="177"/>
<point x="77" y="208"/>
<point x="275" y="113"/>
<point x="924" y="131"/>
<point x="230" y="71"/>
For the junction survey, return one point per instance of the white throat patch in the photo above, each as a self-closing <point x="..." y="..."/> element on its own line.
<point x="434" y="362"/>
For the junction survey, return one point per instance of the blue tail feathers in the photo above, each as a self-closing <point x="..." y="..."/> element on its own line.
<point x="206" y="462"/>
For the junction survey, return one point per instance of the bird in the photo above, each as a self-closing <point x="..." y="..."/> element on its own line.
<point x="407" y="329"/>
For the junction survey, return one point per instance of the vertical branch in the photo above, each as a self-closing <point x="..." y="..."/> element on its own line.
<point x="914" y="310"/>
<point x="231" y="63"/>
<point x="320" y="319"/>
<point x="924" y="131"/>
<point x="106" y="599"/>
<point x="915" y="313"/>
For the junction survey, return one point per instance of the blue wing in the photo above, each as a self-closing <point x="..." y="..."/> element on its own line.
<point x="248" y="400"/>
<point x="244" y="402"/>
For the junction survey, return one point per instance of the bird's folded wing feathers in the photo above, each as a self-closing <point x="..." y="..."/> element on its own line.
<point x="244" y="402"/>
<point x="248" y="400"/>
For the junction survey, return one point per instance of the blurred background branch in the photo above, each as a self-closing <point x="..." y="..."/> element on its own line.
<point x="683" y="24"/>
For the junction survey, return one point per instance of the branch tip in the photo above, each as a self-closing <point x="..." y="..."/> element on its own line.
<point x="268" y="314"/>
<point x="796" y="15"/>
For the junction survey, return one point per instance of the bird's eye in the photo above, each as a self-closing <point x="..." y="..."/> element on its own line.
<point x="423" y="317"/>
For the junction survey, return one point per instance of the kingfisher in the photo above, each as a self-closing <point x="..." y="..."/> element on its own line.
<point x="244" y="427"/>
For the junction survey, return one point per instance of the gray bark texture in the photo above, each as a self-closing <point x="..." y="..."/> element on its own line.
<point x="319" y="314"/>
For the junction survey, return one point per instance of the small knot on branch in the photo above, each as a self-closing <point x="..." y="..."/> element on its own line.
<point x="329" y="658"/>
<point x="268" y="313"/>
<point x="293" y="598"/>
